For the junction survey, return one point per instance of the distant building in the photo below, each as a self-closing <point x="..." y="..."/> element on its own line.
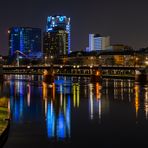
<point x="56" y="40"/>
<point x="24" y="39"/>
<point x="121" y="59"/>
<point x="97" y="42"/>
<point x="119" y="47"/>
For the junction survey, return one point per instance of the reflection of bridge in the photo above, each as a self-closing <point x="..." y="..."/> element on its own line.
<point x="75" y="70"/>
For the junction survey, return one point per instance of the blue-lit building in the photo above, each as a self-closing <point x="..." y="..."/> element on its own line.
<point x="24" y="39"/>
<point x="57" y="36"/>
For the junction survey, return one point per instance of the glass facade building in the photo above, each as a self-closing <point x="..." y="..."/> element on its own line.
<point x="57" y="36"/>
<point x="24" y="39"/>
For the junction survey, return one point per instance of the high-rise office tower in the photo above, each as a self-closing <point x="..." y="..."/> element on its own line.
<point x="97" y="42"/>
<point x="24" y="39"/>
<point x="55" y="43"/>
<point x="57" y="36"/>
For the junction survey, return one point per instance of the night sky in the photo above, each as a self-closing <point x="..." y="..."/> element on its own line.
<point x="125" y="21"/>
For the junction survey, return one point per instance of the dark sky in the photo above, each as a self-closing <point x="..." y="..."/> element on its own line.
<point x="125" y="21"/>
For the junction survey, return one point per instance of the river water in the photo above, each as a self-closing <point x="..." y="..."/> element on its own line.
<point x="74" y="112"/>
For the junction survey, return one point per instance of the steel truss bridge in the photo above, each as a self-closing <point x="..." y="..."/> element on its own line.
<point x="75" y="70"/>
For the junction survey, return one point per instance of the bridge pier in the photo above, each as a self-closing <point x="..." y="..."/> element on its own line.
<point x="141" y="76"/>
<point x="48" y="77"/>
<point x="96" y="77"/>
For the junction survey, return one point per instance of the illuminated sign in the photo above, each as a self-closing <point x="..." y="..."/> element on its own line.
<point x="61" y="18"/>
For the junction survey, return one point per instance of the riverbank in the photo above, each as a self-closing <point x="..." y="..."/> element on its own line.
<point x="4" y="125"/>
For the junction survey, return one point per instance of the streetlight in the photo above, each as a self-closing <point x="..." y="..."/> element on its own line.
<point x="45" y="60"/>
<point x="146" y="63"/>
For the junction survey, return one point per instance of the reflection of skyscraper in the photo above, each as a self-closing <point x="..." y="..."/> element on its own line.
<point x="57" y="36"/>
<point x="24" y="39"/>
<point x="17" y="100"/>
<point x="57" y="112"/>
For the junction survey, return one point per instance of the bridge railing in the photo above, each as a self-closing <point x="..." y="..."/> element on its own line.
<point x="75" y="66"/>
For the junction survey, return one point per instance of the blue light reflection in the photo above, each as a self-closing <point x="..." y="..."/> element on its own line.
<point x="58" y="115"/>
<point x="50" y="121"/>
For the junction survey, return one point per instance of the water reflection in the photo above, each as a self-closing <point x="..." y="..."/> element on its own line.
<point x="95" y="100"/>
<point x="28" y="94"/>
<point x="146" y="102"/>
<point x="30" y="78"/>
<point x="119" y="89"/>
<point x="141" y="101"/>
<point x="57" y="111"/>
<point x="63" y="105"/>
<point x="136" y="100"/>
<point x="21" y="100"/>
<point x="17" y="99"/>
<point x="57" y="100"/>
<point x="76" y="94"/>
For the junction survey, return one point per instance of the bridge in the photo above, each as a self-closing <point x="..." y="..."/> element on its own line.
<point x="57" y="66"/>
<point x="109" y="71"/>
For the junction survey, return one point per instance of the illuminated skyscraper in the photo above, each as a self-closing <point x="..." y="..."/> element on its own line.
<point x="57" y="36"/>
<point x="97" y="42"/>
<point x="24" y="39"/>
<point x="55" y="43"/>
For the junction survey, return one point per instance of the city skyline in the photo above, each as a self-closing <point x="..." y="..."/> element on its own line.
<point x="124" y="21"/>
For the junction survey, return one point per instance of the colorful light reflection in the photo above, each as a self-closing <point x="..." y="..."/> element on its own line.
<point x="58" y="113"/>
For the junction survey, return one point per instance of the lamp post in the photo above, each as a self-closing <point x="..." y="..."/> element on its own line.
<point x="45" y="60"/>
<point x="146" y="62"/>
